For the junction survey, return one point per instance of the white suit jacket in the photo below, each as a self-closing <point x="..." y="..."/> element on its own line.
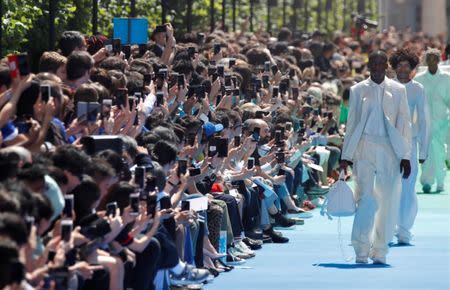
<point x="396" y="117"/>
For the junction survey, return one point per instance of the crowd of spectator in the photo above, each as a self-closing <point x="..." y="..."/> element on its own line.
<point x="168" y="163"/>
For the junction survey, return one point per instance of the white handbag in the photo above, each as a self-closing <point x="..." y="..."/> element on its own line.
<point x="340" y="200"/>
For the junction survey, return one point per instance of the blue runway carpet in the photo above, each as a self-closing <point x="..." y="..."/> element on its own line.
<point x="313" y="259"/>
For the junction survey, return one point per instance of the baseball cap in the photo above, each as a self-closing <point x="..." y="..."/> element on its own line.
<point x="211" y="128"/>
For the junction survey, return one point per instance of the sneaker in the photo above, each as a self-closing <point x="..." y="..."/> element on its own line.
<point x="234" y="251"/>
<point x="276" y="237"/>
<point x="234" y="261"/>
<point x="253" y="244"/>
<point x="440" y="188"/>
<point x="242" y="247"/>
<point x="189" y="276"/>
<point x="378" y="260"/>
<point x="282" y="221"/>
<point x="426" y="188"/>
<point x="361" y="260"/>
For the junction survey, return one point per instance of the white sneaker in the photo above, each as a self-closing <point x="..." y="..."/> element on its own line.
<point x="242" y="247"/>
<point x="361" y="260"/>
<point x="236" y="252"/>
<point x="379" y="260"/>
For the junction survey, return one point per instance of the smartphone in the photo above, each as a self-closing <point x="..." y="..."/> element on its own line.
<point x="217" y="48"/>
<point x="265" y="81"/>
<point x="280" y="157"/>
<point x="109" y="46"/>
<point x="301" y="123"/>
<point x="200" y="38"/>
<point x="222" y="147"/>
<point x="23" y="126"/>
<point x="231" y="62"/>
<point x="250" y="163"/>
<point x="106" y="108"/>
<point x="281" y="171"/>
<point x="284" y="86"/>
<point x="295" y="93"/>
<point x="147" y="79"/>
<point x="237" y="141"/>
<point x="191" y="51"/>
<point x="274" y="69"/>
<point x="228" y="80"/>
<point x="164" y="203"/>
<point x="221" y="70"/>
<point x="275" y="91"/>
<point x="212" y="149"/>
<point x="267" y="66"/>
<point x="194" y="171"/>
<point x="180" y="80"/>
<point x="121" y="97"/>
<point x="255" y="134"/>
<point x="111" y="209"/>
<point x="45" y="93"/>
<point x="126" y="49"/>
<point x="182" y="166"/>
<point x="163" y="72"/>
<point x="68" y="205"/>
<point x="236" y="92"/>
<point x="211" y="70"/>
<point x="159" y="99"/>
<point x="258" y="85"/>
<point x="22" y="60"/>
<point x="288" y="126"/>
<point x="142" y="49"/>
<point x="139" y="176"/>
<point x="151" y="205"/>
<point x="185" y="206"/>
<point x="92" y="111"/>
<point x="117" y="45"/>
<point x="278" y="137"/>
<point x="134" y="204"/>
<point x="29" y="222"/>
<point x="66" y="230"/>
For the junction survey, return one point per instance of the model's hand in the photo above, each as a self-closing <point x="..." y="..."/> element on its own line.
<point x="405" y="168"/>
<point x="421" y="161"/>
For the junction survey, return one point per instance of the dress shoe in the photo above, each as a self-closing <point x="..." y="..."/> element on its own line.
<point x="276" y="237"/>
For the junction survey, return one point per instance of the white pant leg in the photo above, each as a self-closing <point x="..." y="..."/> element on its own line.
<point x="364" y="175"/>
<point x="408" y="200"/>
<point x="387" y="193"/>
<point x="434" y="169"/>
<point x="448" y="144"/>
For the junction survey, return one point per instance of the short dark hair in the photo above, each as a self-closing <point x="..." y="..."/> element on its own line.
<point x="5" y="76"/>
<point x="85" y="196"/>
<point x="376" y="54"/>
<point x="13" y="226"/>
<point x="404" y="54"/>
<point x="69" y="158"/>
<point x="69" y="41"/>
<point x="164" y="152"/>
<point x="113" y="63"/>
<point x="43" y="207"/>
<point x="78" y="64"/>
<point x="284" y="34"/>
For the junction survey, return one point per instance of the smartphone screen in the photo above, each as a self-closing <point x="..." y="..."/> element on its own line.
<point x="275" y="91"/>
<point x="111" y="209"/>
<point x="227" y="81"/>
<point x="222" y="147"/>
<point x="216" y="48"/>
<point x="231" y="62"/>
<point x="121" y="97"/>
<point x="22" y="60"/>
<point x="68" y="205"/>
<point x="151" y="205"/>
<point x="134" y="203"/>
<point x="185" y="205"/>
<point x="45" y="92"/>
<point x="126" y="49"/>
<point x="237" y="141"/>
<point x="117" y="46"/>
<point x="159" y="99"/>
<point x="66" y="230"/>
<point x="280" y="157"/>
<point x="250" y="163"/>
<point x="274" y="69"/>
<point x="164" y="203"/>
<point x="180" y="80"/>
<point x="267" y="66"/>
<point x="182" y="167"/>
<point x="194" y="171"/>
<point x="139" y="176"/>
<point x="92" y="111"/>
<point x="221" y="70"/>
<point x="278" y="137"/>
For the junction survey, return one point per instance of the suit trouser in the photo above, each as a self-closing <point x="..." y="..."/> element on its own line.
<point x="408" y="200"/>
<point x="434" y="167"/>
<point x="377" y="190"/>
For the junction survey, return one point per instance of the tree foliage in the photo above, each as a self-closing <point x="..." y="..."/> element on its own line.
<point x="25" y="23"/>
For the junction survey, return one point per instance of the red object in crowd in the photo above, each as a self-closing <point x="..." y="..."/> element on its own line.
<point x="217" y="188"/>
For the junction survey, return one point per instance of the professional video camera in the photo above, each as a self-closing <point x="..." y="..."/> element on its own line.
<point x="363" y="22"/>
